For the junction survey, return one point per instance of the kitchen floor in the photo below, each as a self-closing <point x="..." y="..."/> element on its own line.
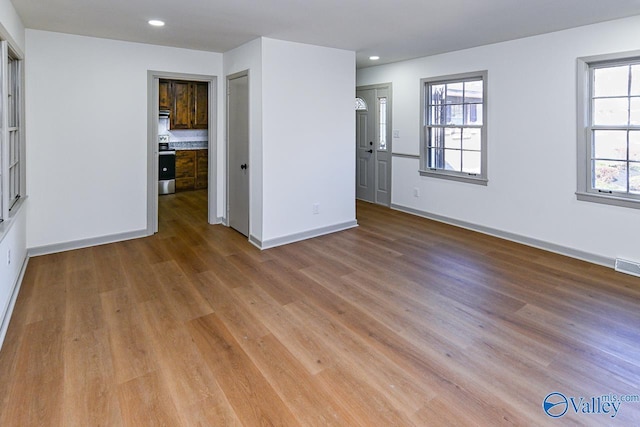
<point x="189" y="206"/>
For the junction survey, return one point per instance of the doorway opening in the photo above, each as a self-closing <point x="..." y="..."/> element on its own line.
<point x="181" y="139"/>
<point x="373" y="143"/>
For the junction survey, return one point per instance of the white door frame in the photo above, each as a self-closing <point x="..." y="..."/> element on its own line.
<point x="153" y="78"/>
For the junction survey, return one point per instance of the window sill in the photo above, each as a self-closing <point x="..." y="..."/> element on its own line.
<point x="608" y="199"/>
<point x="6" y="225"/>
<point x="455" y="177"/>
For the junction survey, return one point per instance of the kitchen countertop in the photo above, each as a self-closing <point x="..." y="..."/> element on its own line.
<point x="188" y="145"/>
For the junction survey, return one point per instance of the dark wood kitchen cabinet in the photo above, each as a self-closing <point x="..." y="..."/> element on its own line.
<point x="189" y="105"/>
<point x="164" y="95"/>
<point x="202" y="169"/>
<point x="191" y="169"/>
<point x="185" y="170"/>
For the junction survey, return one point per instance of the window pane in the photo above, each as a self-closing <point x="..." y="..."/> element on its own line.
<point x="471" y="139"/>
<point x="634" y="114"/>
<point x="471" y="162"/>
<point x="437" y="94"/>
<point x="610" y="111"/>
<point x="435" y="160"/>
<point x="361" y="105"/>
<point x="634" y="177"/>
<point x="382" y="143"/>
<point x="635" y="80"/>
<point x="473" y="92"/>
<point x="609" y="175"/>
<point x="454" y="93"/>
<point x="610" y="144"/>
<point x="473" y="114"/>
<point x="612" y="81"/>
<point x="454" y="115"/>
<point x="634" y="146"/>
<point x="453" y="138"/>
<point x="435" y="137"/>
<point x="438" y="115"/>
<point x="452" y="160"/>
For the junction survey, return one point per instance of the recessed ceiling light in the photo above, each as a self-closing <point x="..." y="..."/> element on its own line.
<point x="156" y="23"/>
<point x="374" y="58"/>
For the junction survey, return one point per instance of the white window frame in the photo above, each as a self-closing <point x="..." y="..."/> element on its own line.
<point x="12" y="152"/>
<point x="585" y="190"/>
<point x="425" y="170"/>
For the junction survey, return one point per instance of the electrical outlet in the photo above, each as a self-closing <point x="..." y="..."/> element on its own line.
<point x="396" y="134"/>
<point x="316" y="208"/>
<point x="416" y="192"/>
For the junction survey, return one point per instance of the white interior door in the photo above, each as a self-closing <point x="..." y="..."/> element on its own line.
<point x="238" y="149"/>
<point x="373" y="145"/>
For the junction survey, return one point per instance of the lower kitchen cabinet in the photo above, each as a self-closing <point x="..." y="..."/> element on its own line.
<point x="192" y="169"/>
<point x="202" y="169"/>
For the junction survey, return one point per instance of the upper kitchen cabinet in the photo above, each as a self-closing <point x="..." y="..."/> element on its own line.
<point x="189" y="105"/>
<point x="201" y="101"/>
<point x="165" y="95"/>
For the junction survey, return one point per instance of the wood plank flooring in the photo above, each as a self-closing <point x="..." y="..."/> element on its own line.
<point x="399" y="322"/>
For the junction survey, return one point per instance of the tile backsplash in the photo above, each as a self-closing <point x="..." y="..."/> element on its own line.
<point x="181" y="135"/>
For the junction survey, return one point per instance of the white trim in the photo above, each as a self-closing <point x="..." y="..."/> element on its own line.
<point x="407" y="156"/>
<point x="513" y="237"/>
<point x="296" y="237"/>
<point x="153" y="78"/>
<point x="483" y="177"/>
<point x="85" y="243"/>
<point x="4" y="325"/>
<point x="584" y="88"/>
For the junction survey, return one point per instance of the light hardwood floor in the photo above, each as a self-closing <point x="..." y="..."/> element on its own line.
<point x="401" y="321"/>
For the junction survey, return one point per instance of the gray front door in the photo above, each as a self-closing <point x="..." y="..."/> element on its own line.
<point x="238" y="146"/>
<point x="373" y="145"/>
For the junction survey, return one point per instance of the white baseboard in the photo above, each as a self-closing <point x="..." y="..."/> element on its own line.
<point x="85" y="243"/>
<point x="4" y="326"/>
<point x="540" y="244"/>
<point x="296" y="237"/>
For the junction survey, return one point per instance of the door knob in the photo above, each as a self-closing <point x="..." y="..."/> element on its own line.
<point x="243" y="166"/>
<point x="369" y="151"/>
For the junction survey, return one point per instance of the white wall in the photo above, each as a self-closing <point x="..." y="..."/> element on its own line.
<point x="308" y="137"/>
<point x="88" y="180"/>
<point x="13" y="243"/>
<point x="532" y="141"/>
<point x="11" y="27"/>
<point x="249" y="57"/>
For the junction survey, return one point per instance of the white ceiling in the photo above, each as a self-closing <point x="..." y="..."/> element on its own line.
<point x="395" y="30"/>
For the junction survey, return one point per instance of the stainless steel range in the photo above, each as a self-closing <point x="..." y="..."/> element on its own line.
<point x="166" y="171"/>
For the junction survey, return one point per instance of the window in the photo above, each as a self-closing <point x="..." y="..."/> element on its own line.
<point x="11" y="153"/>
<point x="382" y="122"/>
<point x="609" y="129"/>
<point x="454" y="131"/>
<point x="361" y="105"/>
